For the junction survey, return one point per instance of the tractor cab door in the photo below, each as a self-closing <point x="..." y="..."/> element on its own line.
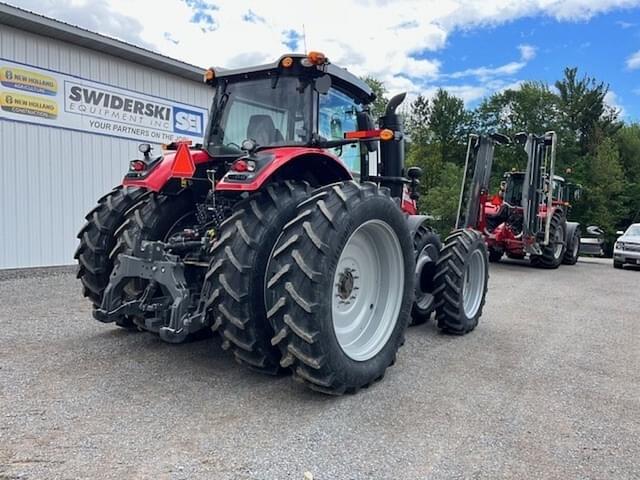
<point x="338" y="113"/>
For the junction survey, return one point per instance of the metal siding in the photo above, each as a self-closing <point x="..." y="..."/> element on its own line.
<point x="50" y="178"/>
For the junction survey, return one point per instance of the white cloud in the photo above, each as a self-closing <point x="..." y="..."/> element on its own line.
<point x="612" y="100"/>
<point x="95" y="15"/>
<point x="394" y="40"/>
<point x="633" y="61"/>
<point x="527" y="52"/>
<point x="484" y="74"/>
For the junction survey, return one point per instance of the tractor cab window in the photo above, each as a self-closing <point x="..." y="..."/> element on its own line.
<point x="513" y="191"/>
<point x="272" y="113"/>
<point x="337" y="115"/>
<point x="558" y="190"/>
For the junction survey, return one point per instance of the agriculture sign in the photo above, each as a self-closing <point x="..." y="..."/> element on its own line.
<point x="30" y="94"/>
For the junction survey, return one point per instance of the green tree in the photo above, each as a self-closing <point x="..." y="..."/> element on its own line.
<point x="585" y="114"/>
<point x="604" y="186"/>
<point x="628" y="142"/>
<point x="441" y="201"/>
<point x="448" y="126"/>
<point x="418" y="120"/>
<point x="380" y="91"/>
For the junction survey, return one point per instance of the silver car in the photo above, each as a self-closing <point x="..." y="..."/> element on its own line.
<point x="627" y="247"/>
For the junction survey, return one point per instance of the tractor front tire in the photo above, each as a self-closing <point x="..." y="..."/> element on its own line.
<point x="98" y="237"/>
<point x="235" y="282"/>
<point x="461" y="281"/>
<point x="340" y="287"/>
<point x="553" y="253"/>
<point x="426" y="245"/>
<point x="573" y="249"/>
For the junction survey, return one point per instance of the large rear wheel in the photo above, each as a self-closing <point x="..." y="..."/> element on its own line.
<point x="235" y="283"/>
<point x="98" y="237"/>
<point x="461" y="280"/>
<point x="340" y="287"/>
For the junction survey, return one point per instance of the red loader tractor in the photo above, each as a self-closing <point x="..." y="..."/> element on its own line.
<point x="528" y="216"/>
<point x="291" y="231"/>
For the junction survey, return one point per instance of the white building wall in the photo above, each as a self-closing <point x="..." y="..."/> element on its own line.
<point x="50" y="177"/>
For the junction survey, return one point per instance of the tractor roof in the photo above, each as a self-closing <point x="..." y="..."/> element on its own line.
<point x="340" y="77"/>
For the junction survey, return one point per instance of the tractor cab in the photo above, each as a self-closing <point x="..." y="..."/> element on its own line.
<point x="298" y="101"/>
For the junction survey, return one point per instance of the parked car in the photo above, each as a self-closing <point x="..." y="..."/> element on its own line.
<point x="592" y="243"/>
<point x="627" y="247"/>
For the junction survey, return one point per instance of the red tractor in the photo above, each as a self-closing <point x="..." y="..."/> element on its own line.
<point x="529" y="213"/>
<point x="263" y="234"/>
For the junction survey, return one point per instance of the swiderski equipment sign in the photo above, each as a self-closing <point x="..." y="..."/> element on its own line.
<point x="34" y="95"/>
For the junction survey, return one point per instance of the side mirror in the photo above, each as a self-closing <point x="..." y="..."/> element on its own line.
<point x="414" y="173"/>
<point x="322" y="84"/>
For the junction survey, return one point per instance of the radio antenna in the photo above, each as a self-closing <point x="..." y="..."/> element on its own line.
<point x="304" y="38"/>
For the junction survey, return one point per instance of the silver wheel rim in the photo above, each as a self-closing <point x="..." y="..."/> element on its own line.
<point x="473" y="283"/>
<point x="576" y="247"/>
<point x="368" y="287"/>
<point x="558" y="236"/>
<point x="424" y="299"/>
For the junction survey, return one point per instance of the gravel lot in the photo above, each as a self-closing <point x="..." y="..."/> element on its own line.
<point x="548" y="386"/>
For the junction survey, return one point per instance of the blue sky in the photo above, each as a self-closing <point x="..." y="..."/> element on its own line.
<point x="471" y="47"/>
<point x="598" y="47"/>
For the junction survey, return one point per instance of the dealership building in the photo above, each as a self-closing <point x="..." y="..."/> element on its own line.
<point x="74" y="106"/>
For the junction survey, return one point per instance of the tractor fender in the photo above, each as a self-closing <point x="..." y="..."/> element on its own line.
<point x="570" y="230"/>
<point x="314" y="165"/>
<point x="161" y="172"/>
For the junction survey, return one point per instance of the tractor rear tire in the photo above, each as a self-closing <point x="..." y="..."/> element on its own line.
<point x="235" y="282"/>
<point x="98" y="237"/>
<point x="340" y="287"/>
<point x="427" y="246"/>
<point x="553" y="253"/>
<point x="157" y="217"/>
<point x="573" y="249"/>
<point x="461" y="281"/>
<point x="495" y="255"/>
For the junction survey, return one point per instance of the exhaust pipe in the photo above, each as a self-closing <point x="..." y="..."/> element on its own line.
<point x="392" y="151"/>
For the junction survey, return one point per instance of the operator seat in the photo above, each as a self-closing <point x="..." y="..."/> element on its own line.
<point x="262" y="130"/>
<point x="501" y="216"/>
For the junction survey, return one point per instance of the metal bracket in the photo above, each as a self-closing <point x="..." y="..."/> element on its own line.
<point x="151" y="261"/>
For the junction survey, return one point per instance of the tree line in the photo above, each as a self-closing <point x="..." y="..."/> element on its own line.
<point x="601" y="152"/>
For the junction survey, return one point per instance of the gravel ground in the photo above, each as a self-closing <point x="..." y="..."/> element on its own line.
<point x="548" y="386"/>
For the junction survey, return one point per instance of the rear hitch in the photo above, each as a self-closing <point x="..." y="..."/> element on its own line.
<point x="165" y="305"/>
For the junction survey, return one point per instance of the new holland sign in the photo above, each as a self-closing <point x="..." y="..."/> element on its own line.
<point x="33" y="95"/>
